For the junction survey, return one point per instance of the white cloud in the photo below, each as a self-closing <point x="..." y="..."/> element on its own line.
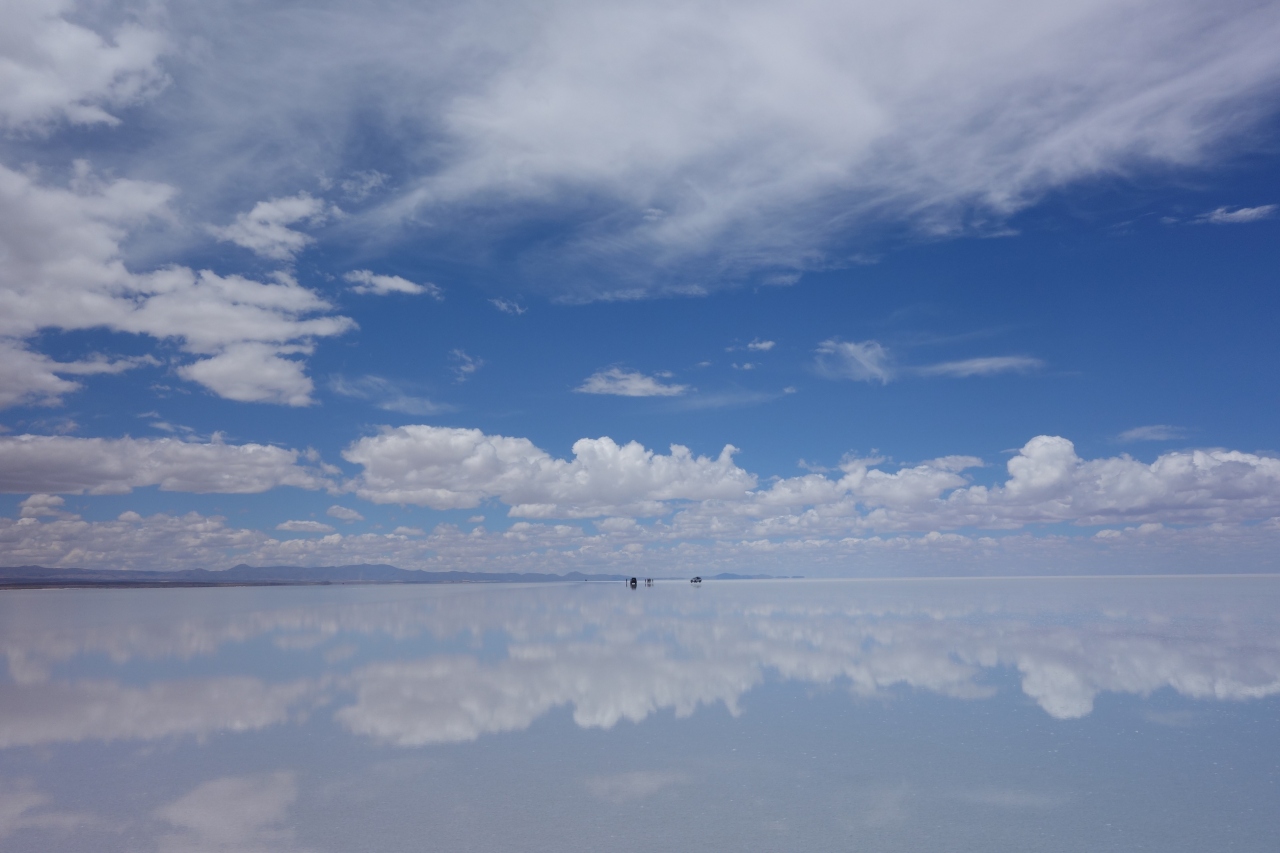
<point x="254" y="373"/>
<point x="385" y="394"/>
<point x="342" y="513"/>
<point x="1048" y="483"/>
<point x="464" y="365"/>
<point x="49" y="464"/>
<point x="866" y="361"/>
<point x="628" y="383"/>
<point x="988" y="366"/>
<point x="446" y="468"/>
<point x="636" y="785"/>
<point x="296" y="526"/>
<point x="508" y="306"/>
<point x="30" y="378"/>
<point x="361" y="184"/>
<point x="265" y="232"/>
<point x="761" y="346"/>
<point x="823" y="113"/>
<point x="42" y="505"/>
<point x="1226" y="216"/>
<point x="62" y="269"/>
<point x="1180" y="512"/>
<point x="1153" y="432"/>
<point x="101" y="710"/>
<point x="870" y="361"/>
<point x="365" y="281"/>
<point x="241" y="813"/>
<point x="713" y="144"/>
<point x="53" y="69"/>
<point x="457" y="699"/>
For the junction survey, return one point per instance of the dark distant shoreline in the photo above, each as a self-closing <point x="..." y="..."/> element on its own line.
<point x="40" y="577"/>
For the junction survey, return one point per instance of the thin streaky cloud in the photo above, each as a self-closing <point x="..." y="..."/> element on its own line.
<point x="1241" y="215"/>
<point x="385" y="395"/>
<point x="508" y="306"/>
<point x="988" y="366"/>
<point x="628" y="383"/>
<point x="1153" y="432"/>
<point x="367" y="282"/>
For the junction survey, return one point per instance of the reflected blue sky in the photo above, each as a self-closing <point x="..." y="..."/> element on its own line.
<point x="1057" y="714"/>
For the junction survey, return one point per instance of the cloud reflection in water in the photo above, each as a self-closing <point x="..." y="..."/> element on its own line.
<point x="409" y="666"/>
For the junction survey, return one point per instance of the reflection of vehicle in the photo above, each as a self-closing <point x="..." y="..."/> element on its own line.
<point x="696" y="580"/>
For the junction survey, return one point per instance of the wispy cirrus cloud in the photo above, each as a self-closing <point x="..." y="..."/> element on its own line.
<point x="385" y="394"/>
<point x="863" y="361"/>
<point x="508" y="306"/>
<point x="1153" y="432"/>
<point x="464" y="366"/>
<point x="523" y="127"/>
<point x="1227" y="216"/>
<point x="988" y="366"/>
<point x="871" y="361"/>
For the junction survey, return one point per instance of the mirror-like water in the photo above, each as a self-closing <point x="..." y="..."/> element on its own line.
<point x="1066" y="714"/>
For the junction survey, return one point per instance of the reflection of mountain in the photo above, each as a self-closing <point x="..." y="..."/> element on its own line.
<point x="425" y="669"/>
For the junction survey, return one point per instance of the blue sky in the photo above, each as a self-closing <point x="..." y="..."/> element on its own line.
<point x="979" y="290"/>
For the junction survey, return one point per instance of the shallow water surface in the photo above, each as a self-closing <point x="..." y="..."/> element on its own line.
<point x="1065" y="714"/>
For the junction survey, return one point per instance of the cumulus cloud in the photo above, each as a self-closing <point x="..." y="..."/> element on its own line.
<point x="1047" y="483"/>
<point x="447" y="468"/>
<point x="628" y="383"/>
<point x="1226" y="216"/>
<point x="42" y="505"/>
<point x="761" y="346"/>
<point x="254" y="373"/>
<point x="102" y="710"/>
<point x="869" y="641"/>
<point x="62" y="268"/>
<point x="52" y="69"/>
<point x="342" y="513"/>
<point x="295" y="526"/>
<point x="1183" y="510"/>
<point x="265" y="231"/>
<point x="51" y="464"/>
<point x="365" y="281"/>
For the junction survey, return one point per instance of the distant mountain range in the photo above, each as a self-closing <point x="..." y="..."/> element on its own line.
<point x="244" y="575"/>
